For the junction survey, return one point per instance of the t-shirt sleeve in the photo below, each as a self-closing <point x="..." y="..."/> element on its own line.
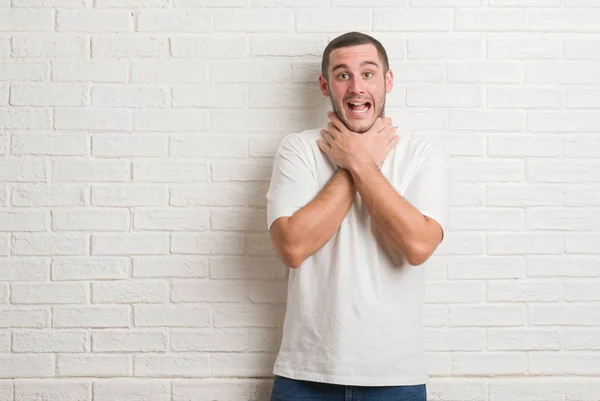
<point x="429" y="191"/>
<point x="293" y="183"/>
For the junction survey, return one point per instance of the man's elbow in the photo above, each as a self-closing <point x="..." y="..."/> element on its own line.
<point x="418" y="254"/>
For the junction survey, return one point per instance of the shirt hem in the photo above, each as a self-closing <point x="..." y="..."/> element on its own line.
<point x="350" y="380"/>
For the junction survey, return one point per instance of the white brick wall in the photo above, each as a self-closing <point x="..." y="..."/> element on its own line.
<point x="136" y="144"/>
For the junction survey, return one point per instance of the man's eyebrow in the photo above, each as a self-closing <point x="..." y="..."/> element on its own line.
<point x="369" y="62"/>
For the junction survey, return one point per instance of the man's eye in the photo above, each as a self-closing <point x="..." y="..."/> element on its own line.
<point x="343" y="76"/>
<point x="368" y="74"/>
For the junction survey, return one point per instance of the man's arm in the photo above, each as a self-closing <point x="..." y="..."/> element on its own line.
<point x="402" y="225"/>
<point x="297" y="237"/>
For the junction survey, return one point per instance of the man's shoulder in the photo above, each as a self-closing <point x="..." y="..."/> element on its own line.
<point x="300" y="140"/>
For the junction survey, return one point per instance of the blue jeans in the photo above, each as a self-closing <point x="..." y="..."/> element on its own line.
<point x="285" y="389"/>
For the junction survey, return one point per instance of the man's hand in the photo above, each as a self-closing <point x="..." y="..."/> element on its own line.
<point x="349" y="149"/>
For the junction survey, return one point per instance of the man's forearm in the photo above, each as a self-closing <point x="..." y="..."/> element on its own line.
<point x="309" y="229"/>
<point x="401" y="224"/>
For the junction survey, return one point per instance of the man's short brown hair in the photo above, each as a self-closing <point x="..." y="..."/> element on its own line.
<point x="353" y="39"/>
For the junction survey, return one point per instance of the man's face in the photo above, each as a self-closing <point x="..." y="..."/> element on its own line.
<point x="357" y="85"/>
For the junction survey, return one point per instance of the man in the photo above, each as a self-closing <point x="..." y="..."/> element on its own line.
<point x="353" y="210"/>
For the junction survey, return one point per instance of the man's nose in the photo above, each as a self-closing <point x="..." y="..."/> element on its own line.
<point x="356" y="85"/>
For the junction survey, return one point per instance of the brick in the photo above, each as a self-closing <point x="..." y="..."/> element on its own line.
<point x="489" y="364"/>
<point x="264" y="147"/>
<point x="210" y="3"/>
<point x="524" y="243"/>
<point x="413" y="119"/>
<point x="15" y="366"/>
<point x="444" y="3"/>
<point x="49" y="3"/>
<point x="582" y="48"/>
<point x="49" y="244"/>
<point x="570" y="172"/>
<point x="564" y="315"/>
<point x="454" y="339"/>
<point x="129" y="341"/>
<point x="476" y="267"/>
<point x="131" y="3"/>
<point x="268" y="96"/>
<point x="132" y="390"/>
<point x="265" y="340"/>
<point x="268" y="292"/>
<point x="207" y="243"/>
<point x="49" y="341"/>
<point x="254" y="170"/>
<point x="501" y="339"/>
<point x="93" y="365"/>
<point x="248" y="315"/>
<point x="444" y="96"/>
<point x="524" y="47"/>
<point x="129" y="96"/>
<point x="238" y="220"/>
<point x="130" y="195"/>
<point x="582" y="339"/>
<point x="581" y="146"/>
<point x="171" y="172"/>
<point x="223" y="268"/>
<point x="129" y="45"/>
<point x="582" y="195"/>
<point x="581" y="389"/>
<point x="130" y="244"/>
<point x="53" y="389"/>
<point x="562" y="266"/>
<point x="94" y="21"/>
<point x="209" y="194"/>
<point x="565" y="363"/>
<point x="210" y="147"/>
<point x="174" y="21"/>
<point x="452" y="47"/>
<point x="130" y="145"/>
<point x="259" y="245"/>
<point x="48" y="144"/>
<point x="90" y="220"/>
<point x="435" y="316"/>
<point x="210" y="340"/>
<point x="208" y="291"/>
<point x="254" y="20"/>
<point x="287" y="45"/>
<point x="305" y="71"/>
<point x="513" y="97"/>
<point x="534" y="389"/>
<point x="170" y="266"/>
<point x="210" y="46"/>
<point x="332" y="20"/>
<point x="488" y="170"/>
<point x="486" y="316"/>
<point x="242" y="364"/>
<point x="94" y="70"/>
<point x="129" y="292"/>
<point x="522" y="146"/>
<point x="380" y="3"/>
<point x="583" y="98"/>
<point x="455" y="292"/>
<point x="24" y="19"/>
<point x="24" y="269"/>
<point x="562" y="72"/>
<point x="176" y="71"/>
<point x="94" y="170"/>
<point x="93" y="120"/>
<point x="50" y="45"/>
<point x="172" y="315"/>
<point x="22" y="118"/>
<point x="14" y="317"/>
<point x="171" y="120"/>
<point x="463" y="389"/>
<point x="581" y="291"/>
<point x="24" y="70"/>
<point x="564" y="20"/>
<point x="89" y="268"/>
<point x="491" y="72"/>
<point x="487" y="219"/>
<point x="250" y="72"/>
<point x="55" y="293"/>
<point x="222" y="96"/>
<point x="91" y="316"/>
<point x="488" y="120"/>
<point x="462" y="244"/>
<point x="24" y="221"/>
<point x="523" y="291"/>
<point x="564" y="219"/>
<point x="581" y="243"/>
<point x="4" y="244"/>
<point x="438" y="363"/>
<point x="178" y="365"/>
<point x="412" y="20"/>
<point x="467" y="194"/>
<point x="5" y="46"/>
<point x="58" y="94"/>
<point x="525" y="3"/>
<point x="490" y="20"/>
<point x="172" y="220"/>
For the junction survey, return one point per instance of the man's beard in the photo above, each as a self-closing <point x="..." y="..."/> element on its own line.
<point x="380" y="112"/>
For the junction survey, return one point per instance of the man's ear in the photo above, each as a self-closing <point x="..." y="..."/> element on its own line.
<point x="323" y="85"/>
<point x="389" y="81"/>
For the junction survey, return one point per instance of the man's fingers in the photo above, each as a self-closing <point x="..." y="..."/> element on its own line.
<point x="328" y="137"/>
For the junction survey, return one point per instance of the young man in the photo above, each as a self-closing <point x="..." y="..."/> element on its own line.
<point x="353" y="210"/>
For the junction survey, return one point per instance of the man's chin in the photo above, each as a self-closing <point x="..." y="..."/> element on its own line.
<point x="360" y="126"/>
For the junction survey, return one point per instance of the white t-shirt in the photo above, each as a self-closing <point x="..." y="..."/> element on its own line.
<point x="354" y="308"/>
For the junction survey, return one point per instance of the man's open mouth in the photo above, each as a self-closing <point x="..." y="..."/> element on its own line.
<point x="358" y="106"/>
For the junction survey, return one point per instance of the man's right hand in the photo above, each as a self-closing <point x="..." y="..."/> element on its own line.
<point x="383" y="139"/>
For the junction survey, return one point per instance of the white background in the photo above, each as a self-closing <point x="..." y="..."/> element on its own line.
<point x="136" y="141"/>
